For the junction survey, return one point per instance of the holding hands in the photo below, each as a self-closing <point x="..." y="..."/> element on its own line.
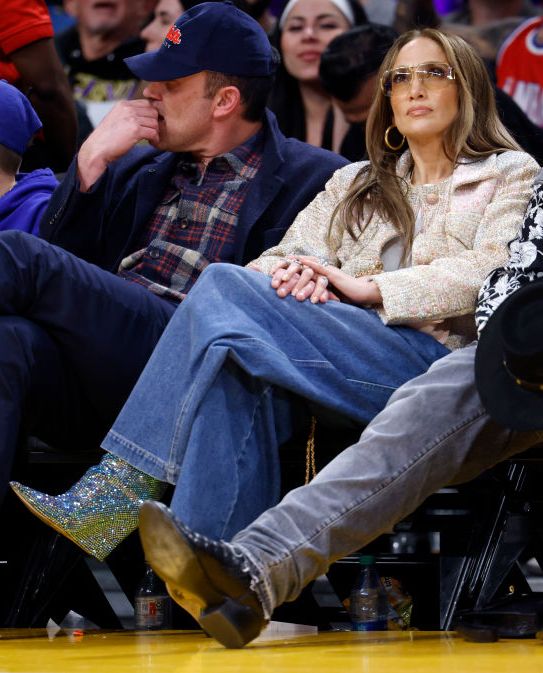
<point x="309" y="277"/>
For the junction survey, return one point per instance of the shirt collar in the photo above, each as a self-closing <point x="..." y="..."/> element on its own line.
<point x="236" y="158"/>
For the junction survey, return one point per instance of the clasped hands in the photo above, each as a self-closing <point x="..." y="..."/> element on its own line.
<point x="306" y="277"/>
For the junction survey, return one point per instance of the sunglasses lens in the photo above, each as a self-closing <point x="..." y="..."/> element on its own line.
<point x="433" y="75"/>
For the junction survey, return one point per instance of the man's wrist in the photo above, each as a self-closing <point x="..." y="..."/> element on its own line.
<point x="89" y="169"/>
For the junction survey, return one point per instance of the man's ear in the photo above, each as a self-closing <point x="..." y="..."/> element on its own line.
<point x="227" y="101"/>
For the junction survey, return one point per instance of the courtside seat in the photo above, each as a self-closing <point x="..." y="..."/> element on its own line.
<point x="485" y="527"/>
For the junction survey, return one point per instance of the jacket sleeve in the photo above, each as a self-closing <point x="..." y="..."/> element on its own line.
<point x="448" y="286"/>
<point x="525" y="260"/>
<point x="74" y="219"/>
<point x="308" y="234"/>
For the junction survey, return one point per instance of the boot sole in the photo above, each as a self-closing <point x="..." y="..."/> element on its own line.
<point x="79" y="542"/>
<point x="191" y="584"/>
<point x="50" y="522"/>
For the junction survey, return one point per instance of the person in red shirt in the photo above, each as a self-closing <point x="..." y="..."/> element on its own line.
<point x="519" y="68"/>
<point x="29" y="60"/>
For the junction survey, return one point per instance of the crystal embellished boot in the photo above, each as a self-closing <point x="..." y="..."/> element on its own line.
<point x="100" y="510"/>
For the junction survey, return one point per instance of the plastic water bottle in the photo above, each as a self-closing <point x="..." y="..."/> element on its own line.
<point x="152" y="605"/>
<point x="368" y="607"/>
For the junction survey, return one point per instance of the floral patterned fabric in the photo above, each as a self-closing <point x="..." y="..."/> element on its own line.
<point x="525" y="260"/>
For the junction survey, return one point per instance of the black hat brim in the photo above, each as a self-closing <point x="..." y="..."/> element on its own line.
<point x="506" y="402"/>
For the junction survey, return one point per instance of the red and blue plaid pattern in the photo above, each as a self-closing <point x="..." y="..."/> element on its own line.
<point x="195" y="222"/>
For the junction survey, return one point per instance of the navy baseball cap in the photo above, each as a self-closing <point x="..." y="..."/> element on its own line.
<point x="213" y="36"/>
<point x="19" y="120"/>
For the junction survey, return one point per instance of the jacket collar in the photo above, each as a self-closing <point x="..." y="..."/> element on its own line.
<point x="464" y="173"/>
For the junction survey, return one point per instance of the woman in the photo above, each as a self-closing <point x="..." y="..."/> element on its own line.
<point x="400" y="244"/>
<point x="304" y="30"/>
<point x="165" y="13"/>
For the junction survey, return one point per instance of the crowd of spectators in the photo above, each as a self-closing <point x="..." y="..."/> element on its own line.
<point x="92" y="40"/>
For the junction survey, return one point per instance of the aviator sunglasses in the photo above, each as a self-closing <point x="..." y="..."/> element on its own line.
<point x="432" y="75"/>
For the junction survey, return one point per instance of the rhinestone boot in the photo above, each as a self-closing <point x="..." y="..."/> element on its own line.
<point x="100" y="510"/>
<point x="208" y="578"/>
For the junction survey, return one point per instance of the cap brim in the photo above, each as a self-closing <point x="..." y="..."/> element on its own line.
<point x="506" y="402"/>
<point x="153" y="67"/>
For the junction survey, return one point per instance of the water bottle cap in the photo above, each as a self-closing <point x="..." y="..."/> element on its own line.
<point x="366" y="559"/>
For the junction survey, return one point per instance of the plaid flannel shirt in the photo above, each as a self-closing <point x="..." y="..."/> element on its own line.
<point x="195" y="222"/>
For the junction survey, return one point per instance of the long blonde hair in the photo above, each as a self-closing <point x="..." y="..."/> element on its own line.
<point x="377" y="187"/>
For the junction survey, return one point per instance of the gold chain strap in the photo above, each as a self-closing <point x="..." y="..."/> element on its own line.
<point x="310" y="467"/>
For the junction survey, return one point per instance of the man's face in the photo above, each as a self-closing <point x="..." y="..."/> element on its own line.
<point x="355" y="111"/>
<point x="185" y="113"/>
<point x="102" y="17"/>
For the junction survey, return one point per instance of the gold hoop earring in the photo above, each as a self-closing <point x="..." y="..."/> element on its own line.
<point x="390" y="146"/>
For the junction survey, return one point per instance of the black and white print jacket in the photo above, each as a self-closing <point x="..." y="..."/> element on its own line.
<point x="525" y="260"/>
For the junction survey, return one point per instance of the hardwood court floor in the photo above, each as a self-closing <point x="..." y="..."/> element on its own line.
<point x="33" y="651"/>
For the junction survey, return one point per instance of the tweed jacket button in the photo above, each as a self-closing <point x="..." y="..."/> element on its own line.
<point x="432" y="198"/>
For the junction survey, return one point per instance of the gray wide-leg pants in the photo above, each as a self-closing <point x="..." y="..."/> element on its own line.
<point x="433" y="432"/>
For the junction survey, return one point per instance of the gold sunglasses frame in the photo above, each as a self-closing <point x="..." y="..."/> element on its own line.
<point x="451" y="76"/>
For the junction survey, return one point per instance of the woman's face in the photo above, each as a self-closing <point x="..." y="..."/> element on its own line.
<point x="166" y="12"/>
<point x="423" y="110"/>
<point x="310" y="26"/>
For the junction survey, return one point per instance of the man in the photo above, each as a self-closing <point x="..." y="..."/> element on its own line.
<point x="23" y="196"/>
<point x="94" y="49"/>
<point x="434" y="431"/>
<point x="28" y="59"/>
<point x="349" y="73"/>
<point x="220" y="184"/>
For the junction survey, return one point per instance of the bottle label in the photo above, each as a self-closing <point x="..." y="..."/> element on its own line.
<point x="152" y="612"/>
<point x="380" y="625"/>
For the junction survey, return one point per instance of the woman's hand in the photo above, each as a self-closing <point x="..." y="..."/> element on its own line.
<point x="290" y="276"/>
<point x="362" y="291"/>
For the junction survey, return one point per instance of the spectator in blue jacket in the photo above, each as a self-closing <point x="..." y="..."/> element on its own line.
<point x="23" y="196"/>
<point x="219" y="184"/>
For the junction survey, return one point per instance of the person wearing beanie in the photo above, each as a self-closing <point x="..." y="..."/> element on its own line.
<point x="23" y="196"/>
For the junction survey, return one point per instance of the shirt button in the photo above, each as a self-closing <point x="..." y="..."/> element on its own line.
<point x="183" y="223"/>
<point x="432" y="198"/>
<point x="154" y="254"/>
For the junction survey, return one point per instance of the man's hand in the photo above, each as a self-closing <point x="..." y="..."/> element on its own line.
<point x="124" y="126"/>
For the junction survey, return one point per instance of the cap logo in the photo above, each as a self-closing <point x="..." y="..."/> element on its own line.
<point x="173" y="36"/>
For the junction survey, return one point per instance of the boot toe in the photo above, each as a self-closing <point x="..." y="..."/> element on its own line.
<point x="214" y="592"/>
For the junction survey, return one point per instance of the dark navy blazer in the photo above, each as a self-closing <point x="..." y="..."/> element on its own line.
<point x="105" y="224"/>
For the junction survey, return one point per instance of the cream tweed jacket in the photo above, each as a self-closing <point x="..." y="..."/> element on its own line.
<point x="464" y="235"/>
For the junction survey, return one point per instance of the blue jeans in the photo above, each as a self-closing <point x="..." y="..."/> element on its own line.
<point x="434" y="431"/>
<point x="73" y="340"/>
<point x="215" y="399"/>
